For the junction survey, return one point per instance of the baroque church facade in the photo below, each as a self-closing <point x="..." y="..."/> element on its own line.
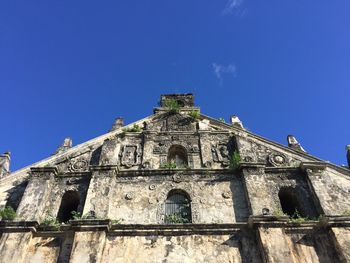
<point x="177" y="186"/>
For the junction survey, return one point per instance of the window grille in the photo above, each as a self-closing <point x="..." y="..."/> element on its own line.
<point x="177" y="209"/>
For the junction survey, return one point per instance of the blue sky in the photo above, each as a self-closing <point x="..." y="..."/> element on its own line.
<point x="68" y="68"/>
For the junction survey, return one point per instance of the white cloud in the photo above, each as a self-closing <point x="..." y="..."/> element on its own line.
<point x="220" y="70"/>
<point x="231" y="6"/>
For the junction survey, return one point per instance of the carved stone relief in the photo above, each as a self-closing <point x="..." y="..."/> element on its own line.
<point x="130" y="155"/>
<point x="254" y="152"/>
<point x="220" y="154"/>
<point x="78" y="165"/>
<point x="277" y="159"/>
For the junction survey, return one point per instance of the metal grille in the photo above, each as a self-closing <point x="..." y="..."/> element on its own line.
<point x="177" y="209"/>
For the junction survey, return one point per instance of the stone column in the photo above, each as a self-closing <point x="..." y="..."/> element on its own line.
<point x="98" y="197"/>
<point x="37" y="193"/>
<point x="256" y="189"/>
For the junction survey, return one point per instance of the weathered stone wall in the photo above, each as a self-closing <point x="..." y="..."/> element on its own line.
<point x="332" y="190"/>
<point x="43" y="249"/>
<point x="141" y="199"/>
<point x="175" y="249"/>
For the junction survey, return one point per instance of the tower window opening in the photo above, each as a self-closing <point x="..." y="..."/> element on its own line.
<point x="70" y="202"/>
<point x="290" y="203"/>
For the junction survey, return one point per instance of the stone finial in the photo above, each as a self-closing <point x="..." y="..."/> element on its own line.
<point x="235" y="121"/>
<point x="5" y="160"/>
<point x="348" y="154"/>
<point x="118" y="123"/>
<point x="67" y="143"/>
<point x="294" y="144"/>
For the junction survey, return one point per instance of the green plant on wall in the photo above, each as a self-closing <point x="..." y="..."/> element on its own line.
<point x="235" y="160"/>
<point x="134" y="128"/>
<point x="78" y="216"/>
<point x="222" y="120"/>
<point x="346" y="213"/>
<point x="172" y="105"/>
<point x="176" y="218"/>
<point x="51" y="221"/>
<point x="8" y="213"/>
<point x="168" y="165"/>
<point x="117" y="221"/>
<point x="279" y="213"/>
<point x="194" y="114"/>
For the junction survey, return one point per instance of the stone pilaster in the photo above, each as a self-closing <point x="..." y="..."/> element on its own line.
<point x="341" y="239"/>
<point x="103" y="179"/>
<point x="88" y="246"/>
<point x="256" y="189"/>
<point x="147" y="153"/>
<point x="274" y="245"/>
<point x="37" y="193"/>
<point x="13" y="246"/>
<point x="315" y="172"/>
<point x="205" y="148"/>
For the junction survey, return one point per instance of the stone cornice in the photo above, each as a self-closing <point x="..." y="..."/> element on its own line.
<point x="313" y="167"/>
<point x="172" y="229"/>
<point x="43" y="171"/>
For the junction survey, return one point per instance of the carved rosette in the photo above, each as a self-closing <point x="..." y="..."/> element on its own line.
<point x="177" y="178"/>
<point x="78" y="165"/>
<point x="129" y="196"/>
<point x="277" y="159"/>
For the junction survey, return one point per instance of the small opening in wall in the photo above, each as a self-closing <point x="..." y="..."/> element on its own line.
<point x="290" y="203"/>
<point x="70" y="202"/>
<point x="178" y="208"/>
<point x="15" y="195"/>
<point x="177" y="154"/>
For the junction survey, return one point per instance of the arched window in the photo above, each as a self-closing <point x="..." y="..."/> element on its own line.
<point x="290" y="203"/>
<point x="178" y="208"/>
<point x="70" y="202"/>
<point x="178" y="155"/>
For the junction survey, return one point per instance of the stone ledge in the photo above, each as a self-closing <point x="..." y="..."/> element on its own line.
<point x="157" y="172"/>
<point x="88" y="225"/>
<point x="18" y="226"/>
<point x="171" y="229"/>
